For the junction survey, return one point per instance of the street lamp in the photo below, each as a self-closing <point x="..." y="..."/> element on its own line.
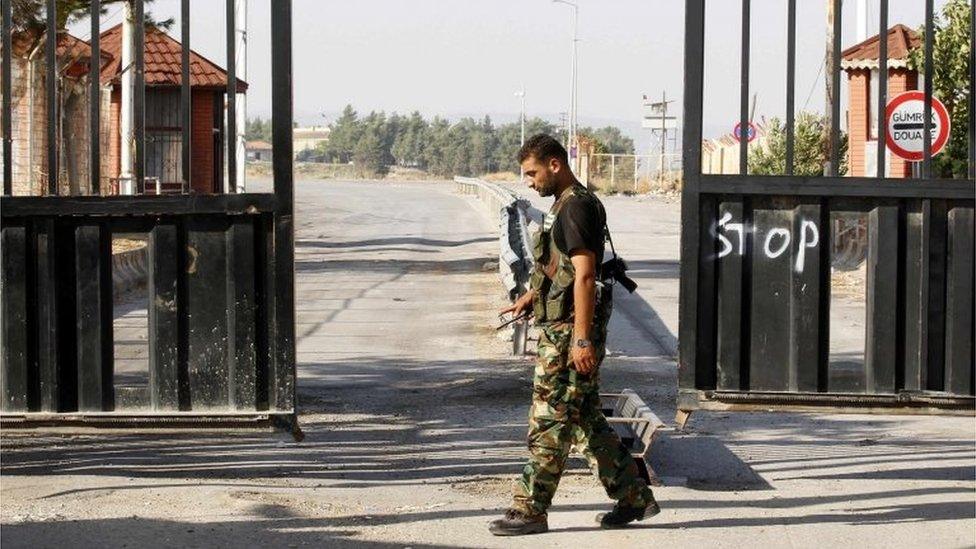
<point x="521" y="95"/>
<point x="571" y="138"/>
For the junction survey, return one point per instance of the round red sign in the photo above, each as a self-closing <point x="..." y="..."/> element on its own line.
<point x="905" y="125"/>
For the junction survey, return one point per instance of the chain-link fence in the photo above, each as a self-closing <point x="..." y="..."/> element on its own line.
<point x="633" y="172"/>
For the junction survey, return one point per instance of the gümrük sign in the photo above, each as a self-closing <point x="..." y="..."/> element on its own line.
<point x="905" y="125"/>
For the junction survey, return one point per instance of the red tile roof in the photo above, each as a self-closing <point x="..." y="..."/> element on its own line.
<point x="73" y="53"/>
<point x="901" y="40"/>
<point x="163" y="62"/>
<point x="258" y="146"/>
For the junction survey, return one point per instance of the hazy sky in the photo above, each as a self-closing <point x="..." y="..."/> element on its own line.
<point x="456" y="58"/>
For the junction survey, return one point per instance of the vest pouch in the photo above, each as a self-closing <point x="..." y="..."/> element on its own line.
<point x="559" y="298"/>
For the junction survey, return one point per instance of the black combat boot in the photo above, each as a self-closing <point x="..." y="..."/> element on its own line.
<point x="622" y="515"/>
<point x="517" y="523"/>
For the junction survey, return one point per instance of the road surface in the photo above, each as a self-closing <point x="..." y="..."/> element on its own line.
<point x="415" y="420"/>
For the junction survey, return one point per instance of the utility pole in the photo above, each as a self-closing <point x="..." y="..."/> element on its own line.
<point x="240" y="21"/>
<point x="126" y="177"/>
<point x="571" y="134"/>
<point x="664" y="134"/>
<point x="521" y="95"/>
<point x="660" y="109"/>
<point x="829" y="69"/>
<point x="862" y="20"/>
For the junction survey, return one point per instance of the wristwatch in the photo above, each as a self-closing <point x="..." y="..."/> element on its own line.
<point x="582" y="343"/>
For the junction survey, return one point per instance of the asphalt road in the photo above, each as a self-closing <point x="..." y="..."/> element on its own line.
<point x="415" y="418"/>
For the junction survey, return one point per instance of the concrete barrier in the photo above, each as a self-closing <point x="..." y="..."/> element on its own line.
<point x="514" y="243"/>
<point x="129" y="270"/>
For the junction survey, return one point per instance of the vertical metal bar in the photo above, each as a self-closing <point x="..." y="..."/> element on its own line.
<point x="913" y="287"/>
<point x="94" y="103"/>
<point x="186" y="119"/>
<point x="164" y="311"/>
<point x="207" y="311"/>
<point x="729" y="305"/>
<point x="264" y="316"/>
<point x="744" y="92"/>
<point x="936" y="282"/>
<point x="691" y="160"/>
<point x="929" y="73"/>
<point x="771" y="300"/>
<point x="284" y="230"/>
<point x="5" y="6"/>
<point x="972" y="94"/>
<point x="790" y="83"/>
<point x="806" y="332"/>
<point x="139" y="98"/>
<point x="241" y="305"/>
<point x="95" y="387"/>
<point x="882" y="88"/>
<point x="51" y="83"/>
<point x="959" y="302"/>
<point x="835" y="100"/>
<point x="15" y="351"/>
<point x="48" y="307"/>
<point x="881" y="302"/>
<point x="231" y="135"/>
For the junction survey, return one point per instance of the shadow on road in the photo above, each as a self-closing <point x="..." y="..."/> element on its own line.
<point x="390" y="241"/>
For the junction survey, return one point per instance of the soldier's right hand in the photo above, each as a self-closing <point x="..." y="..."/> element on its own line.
<point x="523" y="303"/>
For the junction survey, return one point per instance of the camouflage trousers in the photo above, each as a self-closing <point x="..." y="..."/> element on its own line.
<point x="566" y="414"/>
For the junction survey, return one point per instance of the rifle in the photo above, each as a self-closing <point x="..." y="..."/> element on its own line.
<point x="522" y="316"/>
<point x="616" y="268"/>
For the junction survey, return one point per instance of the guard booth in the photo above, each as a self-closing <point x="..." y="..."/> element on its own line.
<point x="219" y="269"/>
<point x="758" y="252"/>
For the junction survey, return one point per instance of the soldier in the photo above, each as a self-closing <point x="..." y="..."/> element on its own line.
<point x="571" y="306"/>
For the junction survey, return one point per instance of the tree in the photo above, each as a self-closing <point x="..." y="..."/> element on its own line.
<point x="29" y="15"/>
<point x="505" y="156"/>
<point x="371" y="152"/>
<point x="257" y="129"/>
<point x="950" y="81"/>
<point x="810" y="146"/>
<point x="437" y="139"/>
<point x="345" y="133"/>
<point x="408" y="147"/>
<point x="609" y="139"/>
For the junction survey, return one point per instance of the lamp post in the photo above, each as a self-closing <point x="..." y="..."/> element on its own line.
<point x="571" y="137"/>
<point x="521" y="95"/>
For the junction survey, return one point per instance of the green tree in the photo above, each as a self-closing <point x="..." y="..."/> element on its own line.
<point x="345" y="133"/>
<point x="438" y="145"/>
<point x="810" y="146"/>
<point x="257" y="129"/>
<point x="408" y="147"/>
<point x="509" y="142"/>
<point x="371" y="151"/>
<point x="951" y="56"/>
<point x="30" y="15"/>
<point x="609" y="139"/>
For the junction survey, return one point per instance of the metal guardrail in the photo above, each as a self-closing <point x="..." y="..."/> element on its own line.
<point x="514" y="244"/>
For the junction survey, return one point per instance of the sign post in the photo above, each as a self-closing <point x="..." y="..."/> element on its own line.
<point x="905" y="125"/>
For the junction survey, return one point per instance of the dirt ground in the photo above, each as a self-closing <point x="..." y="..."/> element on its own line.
<point x="415" y="410"/>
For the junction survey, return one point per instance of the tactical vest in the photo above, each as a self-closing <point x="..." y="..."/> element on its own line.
<point x="553" y="275"/>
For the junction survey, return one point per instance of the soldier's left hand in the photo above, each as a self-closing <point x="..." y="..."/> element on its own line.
<point x="584" y="359"/>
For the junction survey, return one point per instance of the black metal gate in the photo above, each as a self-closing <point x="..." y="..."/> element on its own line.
<point x="755" y="318"/>
<point x="220" y="296"/>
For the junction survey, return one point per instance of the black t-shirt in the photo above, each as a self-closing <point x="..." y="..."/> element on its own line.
<point x="580" y="225"/>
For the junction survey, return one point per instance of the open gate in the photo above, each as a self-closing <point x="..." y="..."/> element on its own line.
<point x="755" y="305"/>
<point x="220" y="271"/>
